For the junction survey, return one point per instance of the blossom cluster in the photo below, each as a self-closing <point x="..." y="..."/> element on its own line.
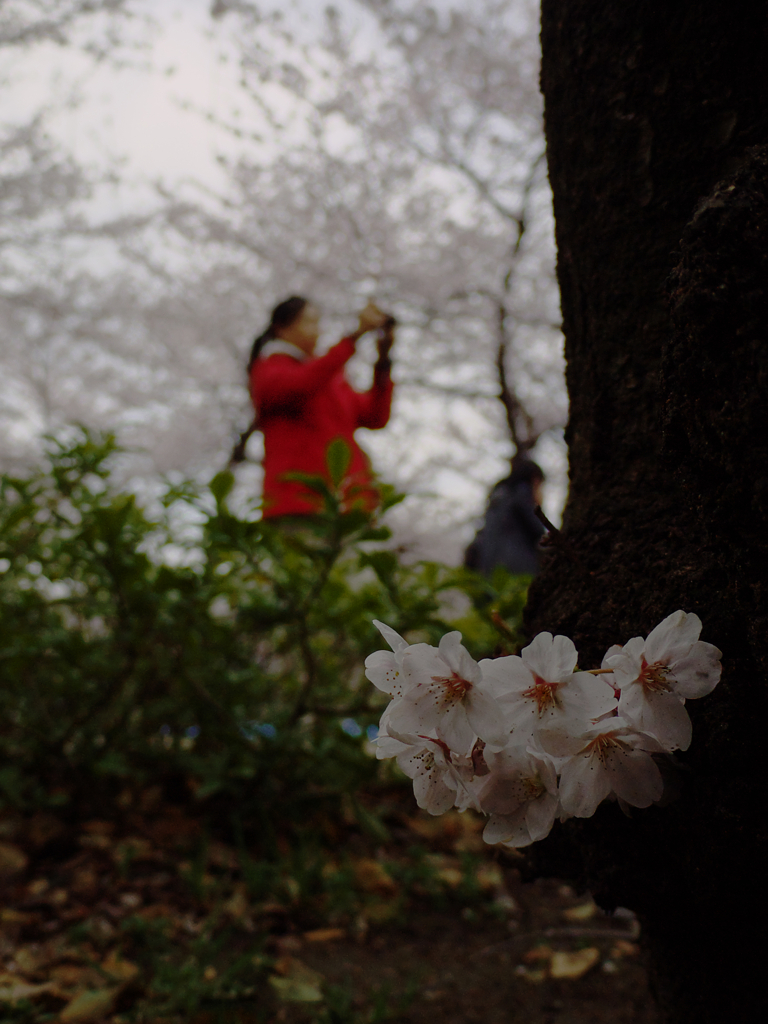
<point x="525" y="739"/>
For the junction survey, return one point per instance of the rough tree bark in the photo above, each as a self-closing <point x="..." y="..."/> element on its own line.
<point x="657" y="124"/>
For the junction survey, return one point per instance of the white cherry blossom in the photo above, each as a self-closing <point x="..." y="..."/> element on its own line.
<point x="658" y="674"/>
<point x="609" y="757"/>
<point x="496" y="736"/>
<point x="520" y="794"/>
<point x="383" y="668"/>
<point x="540" y="688"/>
<point x="443" y="693"/>
<point x="439" y="776"/>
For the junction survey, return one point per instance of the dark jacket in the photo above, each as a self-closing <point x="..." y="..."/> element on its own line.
<point x="510" y="534"/>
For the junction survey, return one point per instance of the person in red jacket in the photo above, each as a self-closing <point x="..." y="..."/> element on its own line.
<point x="303" y="402"/>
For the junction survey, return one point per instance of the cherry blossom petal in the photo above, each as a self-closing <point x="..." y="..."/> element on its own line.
<point x="422" y="712"/>
<point x="627" y="663"/>
<point x="388" y="732"/>
<point x="698" y="673"/>
<point x="611" y="653"/>
<point x="503" y="793"/>
<point x="388" y="746"/>
<point x="505" y="675"/>
<point x="444" y="690"/>
<point x="394" y="639"/>
<point x="559" y="741"/>
<point x="634" y="777"/>
<point x="540" y="816"/>
<point x="583" y="785"/>
<point x="531" y="821"/>
<point x="383" y="670"/>
<point x="483" y="715"/>
<point x="586" y="697"/>
<point x="521" y="717"/>
<point x="673" y="637"/>
<point x="661" y="714"/>
<point x="458" y="658"/>
<point x="551" y="658"/>
<point x="431" y="792"/>
<point x="421" y="661"/>
<point x="510" y="829"/>
<point x="454" y="729"/>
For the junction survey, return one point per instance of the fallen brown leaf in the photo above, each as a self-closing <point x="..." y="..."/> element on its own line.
<point x="68" y="974"/>
<point x="85" y="882"/>
<point x="89" y="1006"/>
<point x="13" y="860"/>
<point x="42" y="828"/>
<point x="95" y="842"/>
<point x="223" y="856"/>
<point x="8" y="916"/>
<point x="132" y="849"/>
<point x="381" y="911"/>
<point x="537" y="953"/>
<point x="371" y="876"/>
<point x="623" y="948"/>
<point x="573" y="965"/>
<point x="582" y="912"/>
<point x="30" y="958"/>
<point x="325" y="934"/>
<point x="237" y="905"/>
<point x="119" y="969"/>
<point x="295" y="982"/>
<point x="18" y="989"/>
<point x="37" y="887"/>
<point x="157" y="910"/>
<point x="99" y="827"/>
<point x="489" y="877"/>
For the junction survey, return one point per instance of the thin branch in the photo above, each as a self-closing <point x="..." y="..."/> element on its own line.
<point x="557" y="539"/>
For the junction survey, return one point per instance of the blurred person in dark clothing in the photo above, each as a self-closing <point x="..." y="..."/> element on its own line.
<point x="511" y="531"/>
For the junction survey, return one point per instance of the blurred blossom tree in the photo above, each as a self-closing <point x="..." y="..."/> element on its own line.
<point x="409" y="167"/>
<point x="386" y="149"/>
<point x="25" y="22"/>
<point x="49" y="319"/>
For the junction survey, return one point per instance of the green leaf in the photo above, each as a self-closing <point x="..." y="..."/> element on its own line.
<point x="370" y="823"/>
<point x="389" y="496"/>
<point x="310" y="480"/>
<point x="221" y="485"/>
<point x="383" y="563"/>
<point x="376" y="533"/>
<point x="337" y="457"/>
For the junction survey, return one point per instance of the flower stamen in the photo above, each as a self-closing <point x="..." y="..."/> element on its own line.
<point x="654" y="678"/>
<point x="456" y="688"/>
<point x="544" y="693"/>
<point x="533" y="787"/>
<point x="439" y="743"/>
<point x="600" y="746"/>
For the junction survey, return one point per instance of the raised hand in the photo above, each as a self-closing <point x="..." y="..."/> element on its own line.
<point x="370" y="318"/>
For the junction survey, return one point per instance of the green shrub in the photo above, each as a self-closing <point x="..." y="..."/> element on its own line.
<point x="202" y="648"/>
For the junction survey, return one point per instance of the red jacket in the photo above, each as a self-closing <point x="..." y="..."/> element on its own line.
<point x="301" y="407"/>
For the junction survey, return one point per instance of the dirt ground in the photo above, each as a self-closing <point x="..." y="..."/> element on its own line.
<point x="149" y="919"/>
<point x="443" y="968"/>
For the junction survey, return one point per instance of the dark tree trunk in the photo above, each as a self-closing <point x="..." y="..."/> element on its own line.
<point x="656" y="115"/>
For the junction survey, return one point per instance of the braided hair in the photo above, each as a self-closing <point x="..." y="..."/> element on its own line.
<point x="283" y="315"/>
